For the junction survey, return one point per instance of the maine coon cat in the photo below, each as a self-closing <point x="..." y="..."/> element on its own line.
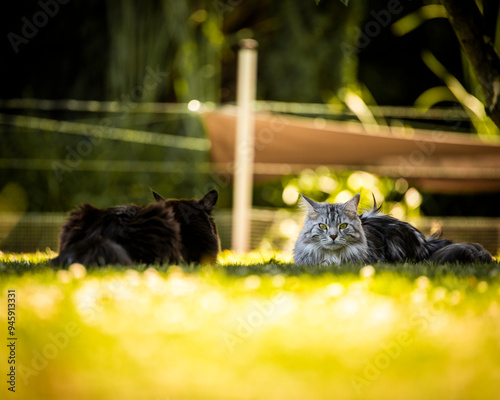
<point x="336" y="234"/>
<point x="167" y="231"/>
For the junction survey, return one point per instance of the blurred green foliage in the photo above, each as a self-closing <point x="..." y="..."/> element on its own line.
<point x="172" y="51"/>
<point x="176" y="51"/>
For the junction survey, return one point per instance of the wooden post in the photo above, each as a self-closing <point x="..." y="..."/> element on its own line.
<point x="244" y="145"/>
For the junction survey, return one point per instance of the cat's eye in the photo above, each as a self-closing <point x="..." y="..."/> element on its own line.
<point x="343" y="226"/>
<point x="322" y="226"/>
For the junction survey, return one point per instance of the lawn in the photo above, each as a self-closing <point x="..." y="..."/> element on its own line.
<point x="251" y="327"/>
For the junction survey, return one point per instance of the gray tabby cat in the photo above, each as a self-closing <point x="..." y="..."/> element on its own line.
<point x="336" y="234"/>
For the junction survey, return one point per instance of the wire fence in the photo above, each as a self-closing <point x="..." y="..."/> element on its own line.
<point x="271" y="229"/>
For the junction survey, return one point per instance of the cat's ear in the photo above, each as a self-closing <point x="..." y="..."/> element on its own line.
<point x="209" y="200"/>
<point x="312" y="206"/>
<point x="352" y="205"/>
<point x="157" y="196"/>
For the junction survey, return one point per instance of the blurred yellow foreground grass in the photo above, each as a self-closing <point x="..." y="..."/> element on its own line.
<point x="252" y="327"/>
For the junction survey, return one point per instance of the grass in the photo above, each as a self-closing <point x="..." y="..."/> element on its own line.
<point x="252" y="327"/>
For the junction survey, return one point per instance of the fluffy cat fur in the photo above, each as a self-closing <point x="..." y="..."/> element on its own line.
<point x="336" y="234"/>
<point x="167" y="231"/>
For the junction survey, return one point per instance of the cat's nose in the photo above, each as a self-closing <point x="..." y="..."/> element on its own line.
<point x="333" y="237"/>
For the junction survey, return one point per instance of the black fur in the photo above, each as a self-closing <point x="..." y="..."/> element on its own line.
<point x="167" y="231"/>
<point x="200" y="243"/>
<point x="461" y="253"/>
<point x="391" y="240"/>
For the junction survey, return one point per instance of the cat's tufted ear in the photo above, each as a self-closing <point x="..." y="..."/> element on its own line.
<point x="352" y="205"/>
<point x="312" y="206"/>
<point x="157" y="196"/>
<point x="209" y="200"/>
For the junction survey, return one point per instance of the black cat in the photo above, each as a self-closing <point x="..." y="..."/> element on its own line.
<point x="168" y="231"/>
